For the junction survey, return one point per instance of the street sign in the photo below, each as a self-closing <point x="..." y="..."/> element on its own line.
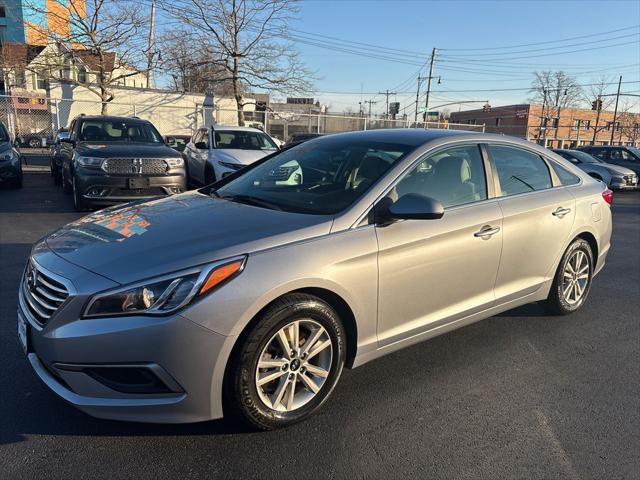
<point x="422" y="110"/>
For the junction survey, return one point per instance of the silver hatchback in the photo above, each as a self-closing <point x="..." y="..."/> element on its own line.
<point x="249" y="296"/>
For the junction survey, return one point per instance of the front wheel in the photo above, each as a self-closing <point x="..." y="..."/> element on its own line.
<point x="289" y="363"/>
<point x="79" y="203"/>
<point x="573" y="279"/>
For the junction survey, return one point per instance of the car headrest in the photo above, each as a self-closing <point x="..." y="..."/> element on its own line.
<point x="454" y="168"/>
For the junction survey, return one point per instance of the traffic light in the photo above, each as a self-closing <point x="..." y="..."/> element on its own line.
<point x="394" y="108"/>
<point x="596" y="105"/>
<point x="486" y="107"/>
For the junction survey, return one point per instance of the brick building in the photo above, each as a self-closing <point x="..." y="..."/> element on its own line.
<point x="571" y="128"/>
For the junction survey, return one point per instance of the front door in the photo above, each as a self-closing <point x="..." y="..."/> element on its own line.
<point x="538" y="219"/>
<point x="432" y="272"/>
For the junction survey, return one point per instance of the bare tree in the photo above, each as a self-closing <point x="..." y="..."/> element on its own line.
<point x="555" y="91"/>
<point x="629" y="123"/>
<point x="104" y="45"/>
<point x="246" y="39"/>
<point x="596" y="93"/>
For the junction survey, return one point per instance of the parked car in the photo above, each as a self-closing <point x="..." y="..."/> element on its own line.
<point x="254" y="295"/>
<point x="302" y="137"/>
<point x="215" y="152"/>
<point x="55" y="160"/>
<point x="10" y="160"/>
<point x="177" y="142"/>
<point x="107" y="160"/>
<point x="627" y="157"/>
<point x="616" y="177"/>
<point x="35" y="140"/>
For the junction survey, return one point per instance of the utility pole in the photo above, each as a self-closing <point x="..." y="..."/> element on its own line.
<point x="542" y="120"/>
<point x="415" y="118"/>
<point x="615" y="112"/>
<point x="595" y="129"/>
<point x="387" y="93"/>
<point x="151" y="45"/>
<point x="370" y="102"/>
<point x="426" y="103"/>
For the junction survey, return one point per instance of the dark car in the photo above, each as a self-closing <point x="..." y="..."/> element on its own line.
<point x="107" y="160"/>
<point x="35" y="140"/>
<point x="628" y="157"/>
<point x="177" y="142"/>
<point x="10" y="164"/>
<point x="55" y="160"/>
<point x="302" y="137"/>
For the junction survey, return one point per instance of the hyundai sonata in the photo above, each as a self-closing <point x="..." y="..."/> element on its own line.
<point x="249" y="296"/>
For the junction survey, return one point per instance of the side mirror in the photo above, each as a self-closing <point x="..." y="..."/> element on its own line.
<point x="66" y="139"/>
<point x="201" y="146"/>
<point x="415" y="207"/>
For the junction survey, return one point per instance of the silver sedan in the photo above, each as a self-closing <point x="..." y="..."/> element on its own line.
<point x="615" y="176"/>
<point x="249" y="296"/>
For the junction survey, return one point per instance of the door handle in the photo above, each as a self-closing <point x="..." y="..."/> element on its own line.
<point x="486" y="232"/>
<point x="560" y="212"/>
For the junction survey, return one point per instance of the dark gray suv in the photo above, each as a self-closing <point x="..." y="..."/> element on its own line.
<point x="107" y="160"/>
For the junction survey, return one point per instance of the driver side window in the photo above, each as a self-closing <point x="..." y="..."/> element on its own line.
<point x="454" y="176"/>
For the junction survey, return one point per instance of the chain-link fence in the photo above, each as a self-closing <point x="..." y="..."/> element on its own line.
<point x="33" y="121"/>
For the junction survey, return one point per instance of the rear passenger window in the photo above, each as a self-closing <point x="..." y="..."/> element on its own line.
<point x="519" y="170"/>
<point x="454" y="177"/>
<point x="565" y="176"/>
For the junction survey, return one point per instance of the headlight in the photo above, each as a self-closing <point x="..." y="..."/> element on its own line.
<point x="164" y="295"/>
<point x="10" y="156"/>
<point x="174" y="162"/>
<point x="232" y="166"/>
<point x="89" y="162"/>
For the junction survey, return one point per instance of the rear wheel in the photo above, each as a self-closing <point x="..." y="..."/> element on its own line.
<point x="573" y="279"/>
<point x="289" y="363"/>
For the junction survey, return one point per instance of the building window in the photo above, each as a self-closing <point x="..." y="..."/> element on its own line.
<point x="586" y="124"/>
<point x="545" y="121"/>
<point x="576" y="124"/>
<point x="82" y="75"/>
<point x="20" y="80"/>
<point x="498" y="121"/>
<point x="555" y="122"/>
<point x="3" y="11"/>
<point x="40" y="81"/>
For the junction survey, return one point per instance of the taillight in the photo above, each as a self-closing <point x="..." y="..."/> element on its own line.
<point x="608" y="196"/>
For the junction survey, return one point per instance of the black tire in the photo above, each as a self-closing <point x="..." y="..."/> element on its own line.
<point x="35" y="143"/>
<point x="79" y="203"/>
<point x="556" y="302"/>
<point x="66" y="184"/>
<point x="241" y="395"/>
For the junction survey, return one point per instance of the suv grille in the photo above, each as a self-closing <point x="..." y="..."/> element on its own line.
<point x="42" y="294"/>
<point x="135" y="166"/>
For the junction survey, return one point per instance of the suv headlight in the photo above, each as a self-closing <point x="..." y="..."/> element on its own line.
<point x="174" y="162"/>
<point x="166" y="294"/>
<point x="89" y="162"/>
<point x="10" y="156"/>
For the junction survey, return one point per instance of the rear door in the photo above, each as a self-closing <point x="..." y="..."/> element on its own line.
<point x="538" y="218"/>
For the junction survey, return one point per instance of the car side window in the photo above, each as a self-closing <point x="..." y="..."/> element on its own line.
<point x="565" y="176"/>
<point x="454" y="176"/>
<point x="620" y="155"/>
<point x="72" y="130"/>
<point x="519" y="170"/>
<point x="601" y="154"/>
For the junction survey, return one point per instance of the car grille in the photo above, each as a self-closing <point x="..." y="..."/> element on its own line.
<point x="138" y="192"/>
<point x="135" y="166"/>
<point x="42" y="295"/>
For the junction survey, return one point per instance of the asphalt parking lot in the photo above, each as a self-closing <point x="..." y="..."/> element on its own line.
<point x="520" y="395"/>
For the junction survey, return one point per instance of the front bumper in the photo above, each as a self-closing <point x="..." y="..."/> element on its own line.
<point x="187" y="358"/>
<point x="99" y="188"/>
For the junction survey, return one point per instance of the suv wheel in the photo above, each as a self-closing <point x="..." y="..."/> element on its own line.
<point x="288" y="364"/>
<point x="34" y="143"/>
<point x="79" y="203"/>
<point x="573" y="279"/>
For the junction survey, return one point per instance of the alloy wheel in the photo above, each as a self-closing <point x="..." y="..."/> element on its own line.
<point x="575" y="277"/>
<point x="294" y="365"/>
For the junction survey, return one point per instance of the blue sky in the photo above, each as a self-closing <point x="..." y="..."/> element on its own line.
<point x="418" y="26"/>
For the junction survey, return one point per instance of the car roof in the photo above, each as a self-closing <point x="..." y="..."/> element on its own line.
<point x="235" y="128"/>
<point x="112" y="118"/>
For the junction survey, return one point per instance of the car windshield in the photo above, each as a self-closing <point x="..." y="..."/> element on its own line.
<point x="118" y="131"/>
<point x="584" y="157"/>
<point x="243" y="140"/>
<point x="635" y="151"/>
<point x="320" y="178"/>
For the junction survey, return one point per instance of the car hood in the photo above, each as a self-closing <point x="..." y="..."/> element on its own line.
<point x="125" y="149"/>
<point x="618" y="169"/>
<point x="141" y="240"/>
<point x="243" y="157"/>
